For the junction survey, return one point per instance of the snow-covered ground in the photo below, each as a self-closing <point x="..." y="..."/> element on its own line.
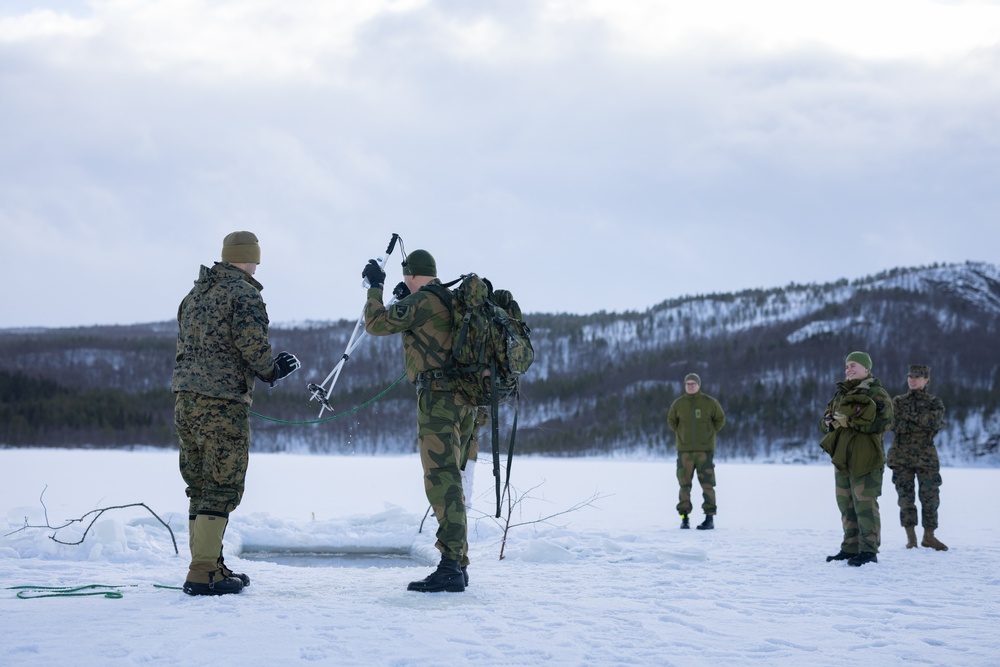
<point x="611" y="582"/>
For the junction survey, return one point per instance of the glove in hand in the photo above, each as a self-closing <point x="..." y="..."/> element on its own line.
<point x="285" y="364"/>
<point x="401" y="290"/>
<point x="840" y="420"/>
<point x="374" y="274"/>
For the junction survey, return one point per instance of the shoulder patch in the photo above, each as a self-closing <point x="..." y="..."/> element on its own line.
<point x="400" y="310"/>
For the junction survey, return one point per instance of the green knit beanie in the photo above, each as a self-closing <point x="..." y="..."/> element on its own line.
<point x="420" y="263"/>
<point x="861" y="358"/>
<point x="241" y="248"/>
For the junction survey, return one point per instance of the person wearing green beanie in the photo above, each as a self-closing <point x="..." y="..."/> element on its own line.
<point x="861" y="358"/>
<point x="445" y="417"/>
<point x="420" y="263"/>
<point x="853" y="423"/>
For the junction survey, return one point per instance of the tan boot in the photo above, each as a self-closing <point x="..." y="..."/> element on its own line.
<point x="911" y="537"/>
<point x="204" y="576"/>
<point x="932" y="542"/>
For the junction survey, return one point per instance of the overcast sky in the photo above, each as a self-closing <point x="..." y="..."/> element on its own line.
<point x="586" y="154"/>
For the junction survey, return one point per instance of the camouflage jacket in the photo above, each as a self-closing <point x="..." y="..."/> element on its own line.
<point x="857" y="448"/>
<point x="425" y="322"/>
<point x="695" y="419"/>
<point x="222" y="341"/>
<point x="919" y="416"/>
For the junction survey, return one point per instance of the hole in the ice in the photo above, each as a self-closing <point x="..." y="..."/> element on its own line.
<point x="334" y="557"/>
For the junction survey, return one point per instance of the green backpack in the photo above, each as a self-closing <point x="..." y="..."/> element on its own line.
<point x="491" y="344"/>
<point x="491" y="350"/>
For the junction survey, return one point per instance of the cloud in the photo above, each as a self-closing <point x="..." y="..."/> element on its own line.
<point x="587" y="155"/>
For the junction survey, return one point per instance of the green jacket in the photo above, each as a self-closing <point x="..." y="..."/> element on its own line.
<point x="222" y="340"/>
<point x="695" y="419"/>
<point x="857" y="448"/>
<point x="423" y="319"/>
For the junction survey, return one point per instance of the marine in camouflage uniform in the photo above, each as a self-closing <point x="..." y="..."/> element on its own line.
<point x="695" y="418"/>
<point x="445" y="417"/>
<point x="913" y="457"/>
<point x="222" y="346"/>
<point x="854" y="421"/>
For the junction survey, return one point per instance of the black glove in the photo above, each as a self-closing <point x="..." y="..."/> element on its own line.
<point x="374" y="274"/>
<point x="401" y="291"/>
<point x="285" y="364"/>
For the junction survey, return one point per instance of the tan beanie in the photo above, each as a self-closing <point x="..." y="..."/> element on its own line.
<point x="241" y="248"/>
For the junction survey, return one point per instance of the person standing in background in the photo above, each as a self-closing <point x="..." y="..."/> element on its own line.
<point x="913" y="456"/>
<point x="854" y="421"/>
<point x="695" y="418"/>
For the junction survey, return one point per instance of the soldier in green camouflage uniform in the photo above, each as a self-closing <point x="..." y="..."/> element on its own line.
<point x="854" y="421"/>
<point x="695" y="418"/>
<point x="222" y="346"/>
<point x="919" y="416"/>
<point x="445" y="416"/>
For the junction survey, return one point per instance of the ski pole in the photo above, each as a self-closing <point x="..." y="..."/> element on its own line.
<point x="320" y="392"/>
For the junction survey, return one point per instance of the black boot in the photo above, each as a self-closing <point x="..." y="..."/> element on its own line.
<point x="862" y="558"/>
<point x="222" y="562"/>
<point x="229" y="573"/>
<point x="685" y="522"/>
<point x="465" y="574"/>
<point x="841" y="555"/>
<point x="447" y="577"/>
<point x="218" y="584"/>
<point x="707" y="524"/>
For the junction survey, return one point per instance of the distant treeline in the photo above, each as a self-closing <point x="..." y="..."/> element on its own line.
<point x="601" y="383"/>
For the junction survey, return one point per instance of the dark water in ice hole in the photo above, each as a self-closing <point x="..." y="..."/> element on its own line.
<point x="362" y="559"/>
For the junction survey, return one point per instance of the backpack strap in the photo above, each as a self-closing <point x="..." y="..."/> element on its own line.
<point x="495" y="439"/>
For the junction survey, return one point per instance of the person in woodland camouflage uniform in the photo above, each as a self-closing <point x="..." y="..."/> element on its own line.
<point x="854" y="421"/>
<point x="222" y="346"/>
<point x="919" y="416"/>
<point x="695" y="418"/>
<point x="445" y="416"/>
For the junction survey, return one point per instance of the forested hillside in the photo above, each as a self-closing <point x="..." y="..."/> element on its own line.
<point x="601" y="383"/>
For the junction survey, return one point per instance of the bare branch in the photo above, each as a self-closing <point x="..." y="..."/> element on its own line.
<point x="97" y="513"/>
<point x="513" y="502"/>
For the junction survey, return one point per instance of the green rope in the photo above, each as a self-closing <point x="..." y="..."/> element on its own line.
<point x="342" y="414"/>
<point x="32" y="592"/>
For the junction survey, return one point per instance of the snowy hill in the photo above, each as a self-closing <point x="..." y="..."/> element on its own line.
<point x="601" y="383"/>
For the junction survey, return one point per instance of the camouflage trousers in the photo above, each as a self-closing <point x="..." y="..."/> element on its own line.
<point x="688" y="463"/>
<point x="214" y="436"/>
<point x="444" y="428"/>
<point x="481" y="418"/>
<point x="905" y="480"/>
<point x="857" y="498"/>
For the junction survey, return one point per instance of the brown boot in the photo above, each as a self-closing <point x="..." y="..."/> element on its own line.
<point x="911" y="537"/>
<point x="932" y="542"/>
